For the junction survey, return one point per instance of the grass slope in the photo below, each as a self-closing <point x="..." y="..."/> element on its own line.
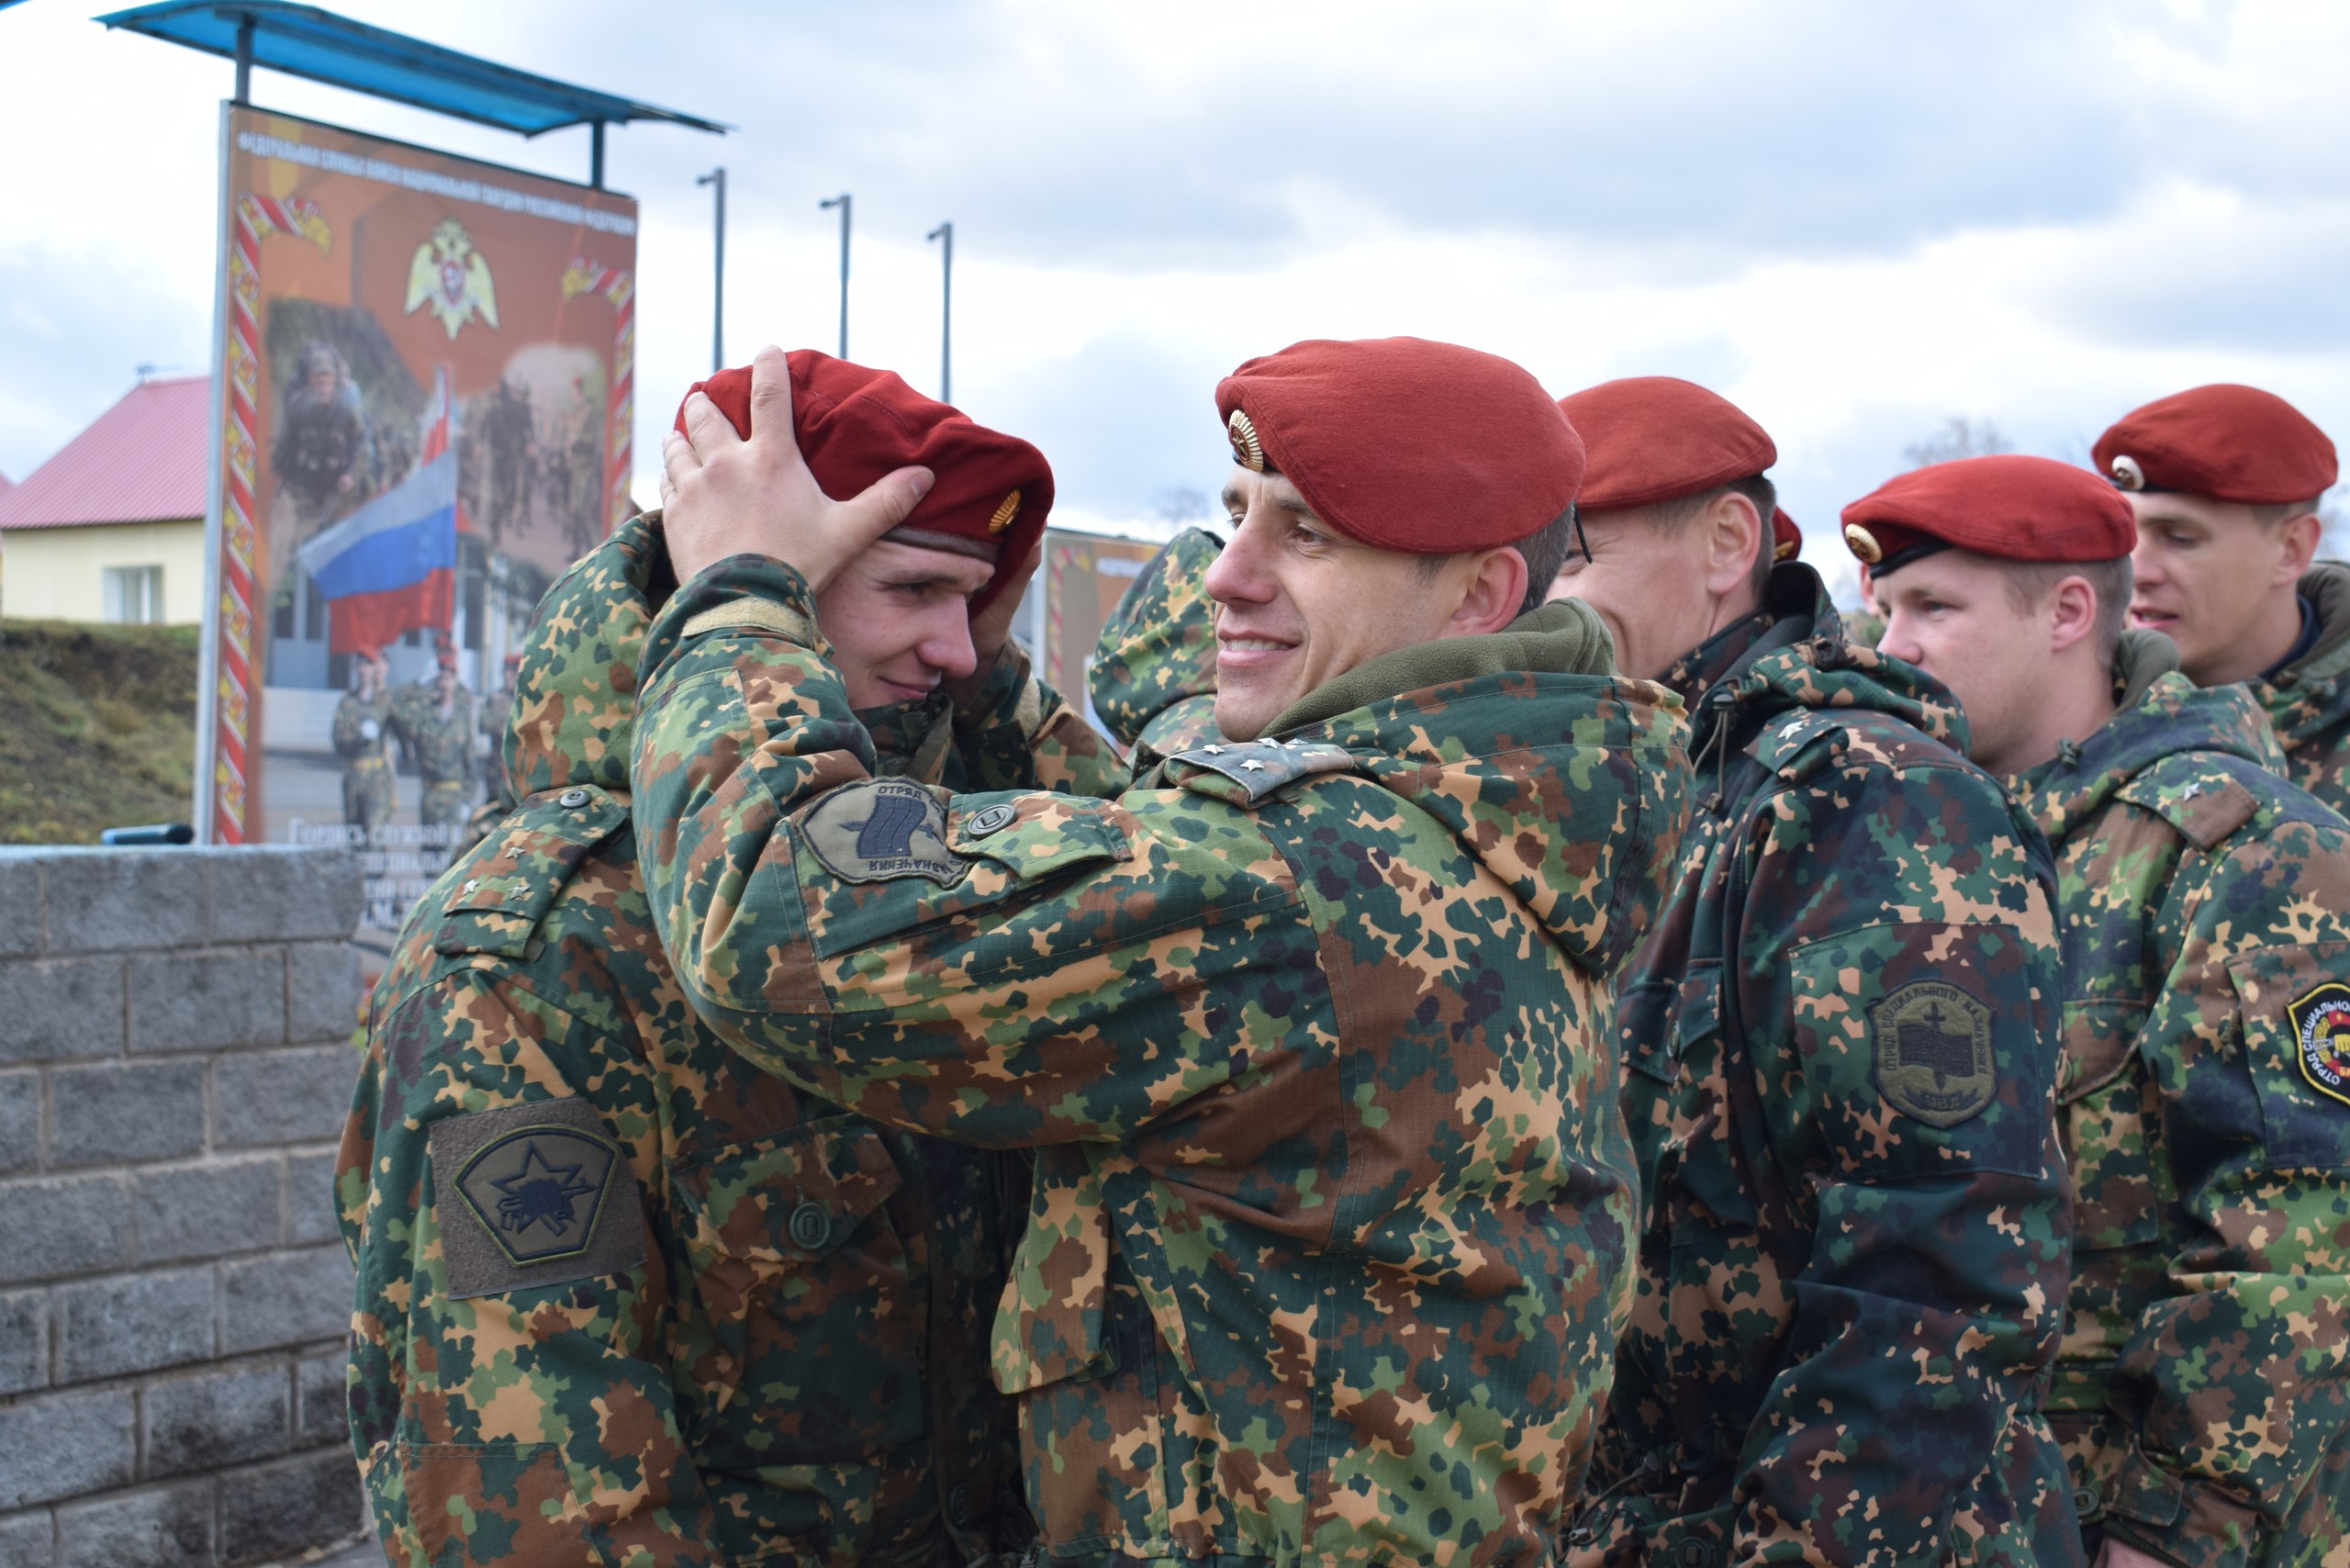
<point x="97" y="728"/>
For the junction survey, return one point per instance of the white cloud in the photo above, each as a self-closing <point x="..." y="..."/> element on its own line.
<point x="1856" y="220"/>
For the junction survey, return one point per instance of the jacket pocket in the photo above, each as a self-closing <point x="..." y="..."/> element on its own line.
<point x="816" y="1311"/>
<point x="1052" y="1324"/>
<point x="2106" y="1107"/>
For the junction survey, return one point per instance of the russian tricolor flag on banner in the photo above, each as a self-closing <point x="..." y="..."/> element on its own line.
<point x="390" y="566"/>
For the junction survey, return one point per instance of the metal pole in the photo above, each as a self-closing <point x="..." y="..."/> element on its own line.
<point x="946" y="232"/>
<point x="717" y="177"/>
<point x="244" y="60"/>
<point x="596" y="154"/>
<point x="842" y="201"/>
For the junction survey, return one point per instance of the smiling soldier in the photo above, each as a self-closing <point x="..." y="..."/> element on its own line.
<point x="1842" y="1039"/>
<point x="622" y="1296"/>
<point x="1309" y="1029"/>
<point x="2204" y="904"/>
<point x="2224" y="481"/>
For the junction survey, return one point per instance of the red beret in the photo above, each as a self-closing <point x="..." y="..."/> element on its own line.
<point x="1654" y="438"/>
<point x="2018" y="509"/>
<point x="448" y="657"/>
<point x="991" y="493"/>
<point x="1786" y="539"/>
<point x="2232" y="444"/>
<point x="1404" y="444"/>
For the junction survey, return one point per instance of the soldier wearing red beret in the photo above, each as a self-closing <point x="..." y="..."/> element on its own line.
<point x="920" y="624"/>
<point x="759" y="1324"/>
<point x="1808" y="1183"/>
<point x="1309" y="1028"/>
<point x="2204" y="1094"/>
<point x="2224" y="481"/>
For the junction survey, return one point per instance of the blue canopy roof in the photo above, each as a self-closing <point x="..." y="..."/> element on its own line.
<point x="303" y="40"/>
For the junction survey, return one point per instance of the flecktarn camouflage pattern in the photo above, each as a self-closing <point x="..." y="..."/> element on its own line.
<point x="2309" y="702"/>
<point x="2205" y="912"/>
<point x="1841" y="1040"/>
<point x="622" y="1297"/>
<point x="1327" y="1247"/>
<point x="1153" y="678"/>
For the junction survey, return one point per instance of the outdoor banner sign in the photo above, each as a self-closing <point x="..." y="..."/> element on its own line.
<point x="1084" y="576"/>
<point x="422" y="400"/>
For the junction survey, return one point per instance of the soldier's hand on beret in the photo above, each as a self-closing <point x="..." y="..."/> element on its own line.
<point x="725" y="496"/>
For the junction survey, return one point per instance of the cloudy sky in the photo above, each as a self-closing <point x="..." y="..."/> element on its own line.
<point x="1857" y="220"/>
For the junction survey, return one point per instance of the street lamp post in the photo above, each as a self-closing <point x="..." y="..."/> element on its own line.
<point x="717" y="178"/>
<point x="842" y="201"/>
<point x="946" y="232"/>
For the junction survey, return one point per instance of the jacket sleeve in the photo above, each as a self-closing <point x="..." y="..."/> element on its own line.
<point x="1019" y="733"/>
<point x="1006" y="968"/>
<point x="1153" y="676"/>
<point x="1898" y="990"/>
<point x="2233" y="1385"/>
<point x="511" y="1427"/>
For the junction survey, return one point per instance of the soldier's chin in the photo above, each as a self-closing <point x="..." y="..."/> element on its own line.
<point x="1242" y="714"/>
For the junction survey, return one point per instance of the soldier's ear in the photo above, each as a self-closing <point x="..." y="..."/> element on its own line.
<point x="1491" y="594"/>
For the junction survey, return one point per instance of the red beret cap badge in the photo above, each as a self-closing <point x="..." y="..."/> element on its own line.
<point x="1861" y="542"/>
<point x="2127" y="475"/>
<point x="1006" y="510"/>
<point x="1246" y="449"/>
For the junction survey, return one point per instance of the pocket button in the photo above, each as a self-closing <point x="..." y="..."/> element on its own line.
<point x="810" y="1227"/>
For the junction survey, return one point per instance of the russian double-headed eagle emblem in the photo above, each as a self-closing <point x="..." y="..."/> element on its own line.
<point x="453" y="277"/>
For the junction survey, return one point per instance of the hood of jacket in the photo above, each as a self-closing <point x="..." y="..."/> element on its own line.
<point x="1569" y="782"/>
<point x="2162" y="715"/>
<point x="2311" y="697"/>
<point x="1795" y="655"/>
<point x="574" y="717"/>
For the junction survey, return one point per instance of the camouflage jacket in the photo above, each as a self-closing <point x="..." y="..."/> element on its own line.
<point x="2205" y="911"/>
<point x="1153" y="676"/>
<point x="359" y="733"/>
<point x="1328" y="1237"/>
<point x="444" y="748"/>
<point x="710" y="1321"/>
<point x="1842" y="1049"/>
<point x="2309" y="702"/>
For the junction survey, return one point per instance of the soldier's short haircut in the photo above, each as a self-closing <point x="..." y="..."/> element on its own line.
<point x="1544" y="551"/>
<point x="2271" y="515"/>
<point x="2030" y="582"/>
<point x="1674" y="516"/>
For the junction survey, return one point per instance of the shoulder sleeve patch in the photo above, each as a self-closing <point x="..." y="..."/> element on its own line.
<point x="2205" y="808"/>
<point x="2320" y="1019"/>
<point x="753" y="615"/>
<point x="1259" y="767"/>
<point x="883" y="829"/>
<point x="533" y="1195"/>
<point x="1933" y="1053"/>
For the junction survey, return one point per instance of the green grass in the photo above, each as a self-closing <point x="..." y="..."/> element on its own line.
<point x="97" y="728"/>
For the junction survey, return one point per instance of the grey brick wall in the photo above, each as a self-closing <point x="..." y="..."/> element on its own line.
<point x="174" y="1069"/>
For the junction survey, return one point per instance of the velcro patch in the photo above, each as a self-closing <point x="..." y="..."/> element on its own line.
<point x="532" y="1195"/>
<point x="1933" y="1053"/>
<point x="753" y="615"/>
<point x="2322" y="1030"/>
<point x="881" y="830"/>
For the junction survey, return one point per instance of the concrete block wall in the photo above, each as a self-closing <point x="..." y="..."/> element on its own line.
<point x="175" y="1066"/>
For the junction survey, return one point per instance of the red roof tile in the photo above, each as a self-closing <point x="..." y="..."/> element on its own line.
<point x="141" y="460"/>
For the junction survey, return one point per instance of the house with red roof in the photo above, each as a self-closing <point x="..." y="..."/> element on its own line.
<point x="112" y="527"/>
